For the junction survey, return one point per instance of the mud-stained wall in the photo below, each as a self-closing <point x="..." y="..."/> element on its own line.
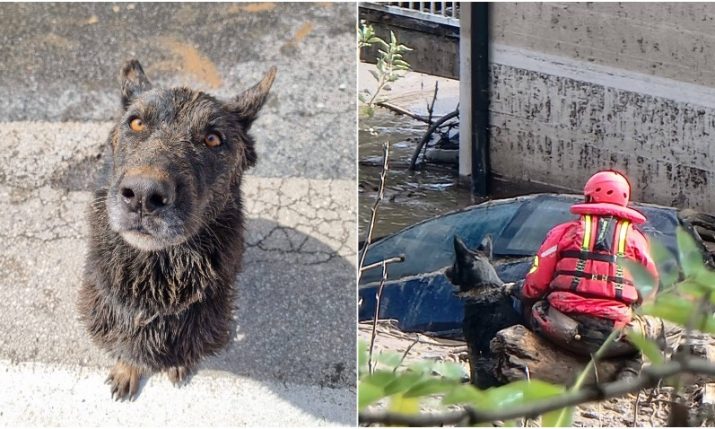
<point x="552" y="128"/>
<point x="671" y="40"/>
<point x="580" y="87"/>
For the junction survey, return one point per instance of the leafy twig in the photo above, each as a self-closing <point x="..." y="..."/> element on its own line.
<point x="649" y="377"/>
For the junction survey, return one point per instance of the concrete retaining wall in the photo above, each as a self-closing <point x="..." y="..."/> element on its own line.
<point x="555" y="128"/>
<point x="671" y="40"/>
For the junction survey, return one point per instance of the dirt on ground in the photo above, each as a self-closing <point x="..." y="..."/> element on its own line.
<point x="650" y="408"/>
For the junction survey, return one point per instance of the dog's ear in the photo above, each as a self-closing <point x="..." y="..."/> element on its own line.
<point x="461" y="251"/>
<point x="486" y="246"/>
<point x="249" y="102"/>
<point x="133" y="81"/>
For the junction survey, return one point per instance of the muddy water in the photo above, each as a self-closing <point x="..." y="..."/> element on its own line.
<point x="412" y="196"/>
<point x="409" y="196"/>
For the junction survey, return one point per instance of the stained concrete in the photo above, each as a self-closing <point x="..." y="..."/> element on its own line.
<point x="556" y="121"/>
<point x="669" y="40"/>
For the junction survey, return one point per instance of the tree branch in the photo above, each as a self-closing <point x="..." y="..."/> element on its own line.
<point x="373" y="215"/>
<point x="401" y="111"/>
<point x="648" y="378"/>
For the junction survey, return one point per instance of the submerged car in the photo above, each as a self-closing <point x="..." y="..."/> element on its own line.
<point x="419" y="296"/>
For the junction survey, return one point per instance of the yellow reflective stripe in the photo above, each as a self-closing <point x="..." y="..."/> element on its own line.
<point x="622" y="238"/>
<point x="587" y="233"/>
<point x="535" y="265"/>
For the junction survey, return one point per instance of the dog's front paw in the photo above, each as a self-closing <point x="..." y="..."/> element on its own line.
<point x="124" y="380"/>
<point x="179" y="374"/>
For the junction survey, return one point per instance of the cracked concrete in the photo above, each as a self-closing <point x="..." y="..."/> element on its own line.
<point x="292" y="361"/>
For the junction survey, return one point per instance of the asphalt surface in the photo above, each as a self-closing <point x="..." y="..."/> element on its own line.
<point x="292" y="361"/>
<point x="60" y="62"/>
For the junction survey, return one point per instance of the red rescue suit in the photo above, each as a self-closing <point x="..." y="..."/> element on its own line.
<point x="577" y="267"/>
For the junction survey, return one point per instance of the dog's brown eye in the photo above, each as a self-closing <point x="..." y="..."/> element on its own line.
<point x="137" y="124"/>
<point x="212" y="140"/>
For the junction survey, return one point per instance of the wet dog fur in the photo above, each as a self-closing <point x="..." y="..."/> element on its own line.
<point x="487" y="307"/>
<point x="166" y="229"/>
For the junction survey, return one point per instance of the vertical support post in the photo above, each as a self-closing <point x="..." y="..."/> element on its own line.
<point x="465" y="90"/>
<point x="480" y="98"/>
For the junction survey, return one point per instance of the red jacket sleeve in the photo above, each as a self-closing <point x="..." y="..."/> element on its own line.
<point x="641" y="249"/>
<point x="542" y="270"/>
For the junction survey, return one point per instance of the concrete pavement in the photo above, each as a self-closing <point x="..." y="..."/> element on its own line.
<point x="292" y="361"/>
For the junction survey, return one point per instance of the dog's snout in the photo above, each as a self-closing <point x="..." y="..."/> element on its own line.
<point x="146" y="194"/>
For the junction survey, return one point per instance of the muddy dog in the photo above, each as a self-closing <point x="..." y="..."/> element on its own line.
<point x="166" y="228"/>
<point x="487" y="306"/>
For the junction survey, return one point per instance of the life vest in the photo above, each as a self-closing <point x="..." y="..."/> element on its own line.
<point x="590" y="258"/>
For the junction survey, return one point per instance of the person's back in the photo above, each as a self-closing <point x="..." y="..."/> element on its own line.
<point x="579" y="272"/>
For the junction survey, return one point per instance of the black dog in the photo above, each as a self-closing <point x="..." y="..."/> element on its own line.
<point x="166" y="228"/>
<point x="488" y="307"/>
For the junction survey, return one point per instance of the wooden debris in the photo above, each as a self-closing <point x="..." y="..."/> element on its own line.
<point x="516" y="348"/>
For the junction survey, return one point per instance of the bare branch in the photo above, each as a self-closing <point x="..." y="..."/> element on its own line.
<point x="378" y="297"/>
<point x="378" y="200"/>
<point x="401" y="111"/>
<point x="387" y="261"/>
<point x="438" y="123"/>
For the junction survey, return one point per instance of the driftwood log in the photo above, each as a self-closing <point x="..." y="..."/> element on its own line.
<point x="515" y="349"/>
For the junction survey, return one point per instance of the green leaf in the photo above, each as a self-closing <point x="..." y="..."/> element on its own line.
<point x="393" y="39"/>
<point x="401" y="405"/>
<point x="706" y="278"/>
<point x="431" y="387"/>
<point x="667" y="263"/>
<point x="423" y="366"/>
<point x="403" y="382"/>
<point x="362" y="357"/>
<point x="691" y="258"/>
<point x="648" y="347"/>
<point x="368" y="394"/>
<point x="451" y="371"/>
<point x="524" y="391"/>
<point x="375" y="75"/>
<point x="466" y="394"/>
<point x="559" y="418"/>
<point x="671" y="307"/>
<point x="390" y="360"/>
<point x="707" y="324"/>
<point x="372" y="387"/>
<point x="379" y="378"/>
<point x="691" y="287"/>
<point x="644" y="280"/>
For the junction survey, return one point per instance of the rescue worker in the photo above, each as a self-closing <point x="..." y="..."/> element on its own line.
<point x="577" y="290"/>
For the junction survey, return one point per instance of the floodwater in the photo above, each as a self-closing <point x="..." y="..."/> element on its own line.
<point x="412" y="196"/>
<point x="409" y="196"/>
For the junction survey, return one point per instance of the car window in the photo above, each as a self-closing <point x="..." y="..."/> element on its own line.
<point x="527" y="230"/>
<point x="429" y="245"/>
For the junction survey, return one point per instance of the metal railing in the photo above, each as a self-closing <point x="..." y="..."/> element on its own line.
<point x="448" y="9"/>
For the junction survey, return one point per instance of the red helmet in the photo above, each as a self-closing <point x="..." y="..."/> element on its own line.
<point x="608" y="187"/>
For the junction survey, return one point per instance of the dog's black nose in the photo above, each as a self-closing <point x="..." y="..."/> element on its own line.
<point x="146" y="193"/>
